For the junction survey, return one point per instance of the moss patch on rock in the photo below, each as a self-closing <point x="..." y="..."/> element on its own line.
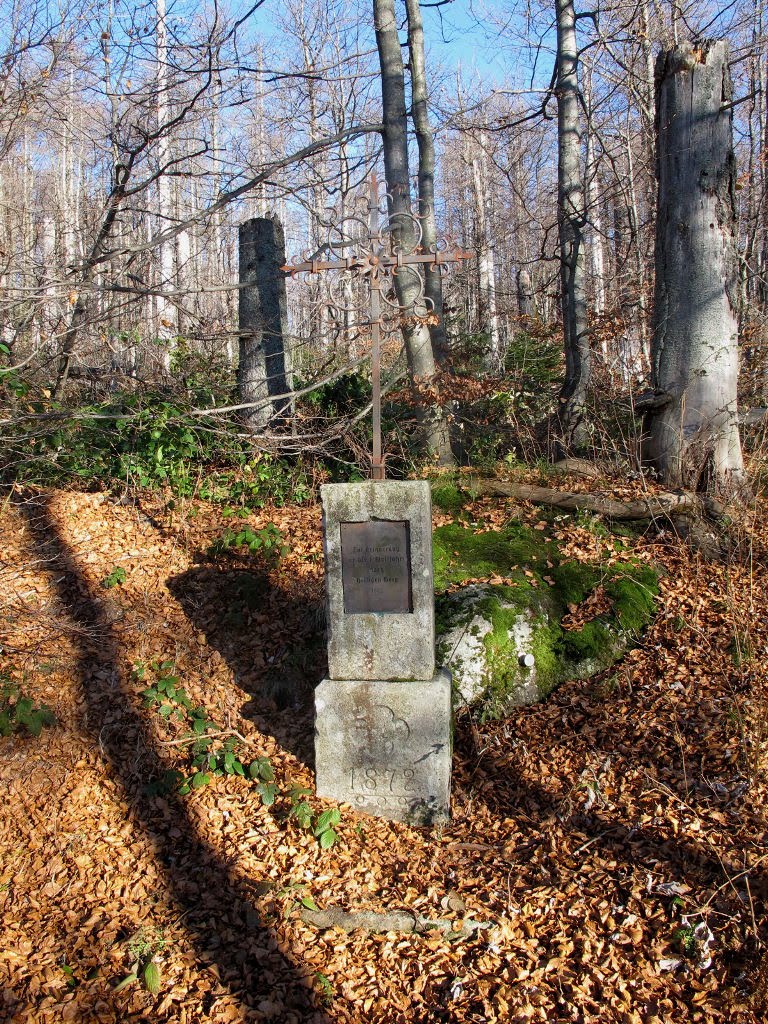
<point x="461" y="553"/>
<point x="483" y="628"/>
<point x="448" y="497"/>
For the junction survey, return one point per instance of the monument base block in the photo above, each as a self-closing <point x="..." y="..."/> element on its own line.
<point x="384" y="746"/>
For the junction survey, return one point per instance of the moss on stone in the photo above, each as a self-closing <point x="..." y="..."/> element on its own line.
<point x="505" y="671"/>
<point x="574" y="581"/>
<point x="633" y="589"/>
<point x="448" y="497"/>
<point x="462" y="554"/>
<point x="592" y="643"/>
<point x="549" y="671"/>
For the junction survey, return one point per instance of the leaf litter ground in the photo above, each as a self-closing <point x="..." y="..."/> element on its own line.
<point x="613" y="837"/>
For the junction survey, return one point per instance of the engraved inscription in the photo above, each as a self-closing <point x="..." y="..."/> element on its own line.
<point x="378" y="730"/>
<point x="376" y="566"/>
<point x="385" y="787"/>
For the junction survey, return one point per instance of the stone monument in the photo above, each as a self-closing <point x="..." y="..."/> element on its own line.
<point x="383" y="715"/>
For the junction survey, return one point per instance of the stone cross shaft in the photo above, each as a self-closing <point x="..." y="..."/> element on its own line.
<point x="377" y="260"/>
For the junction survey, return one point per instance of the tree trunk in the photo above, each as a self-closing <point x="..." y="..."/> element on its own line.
<point x="262" y="371"/>
<point x="418" y="344"/>
<point x="693" y="437"/>
<point x="594" y="213"/>
<point x="433" y="281"/>
<point x="571" y="216"/>
<point x="526" y="306"/>
<point x="631" y="342"/>
<point x="165" y="310"/>
<point x="486" y="263"/>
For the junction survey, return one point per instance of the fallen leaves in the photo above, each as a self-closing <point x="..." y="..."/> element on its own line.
<point x="585" y="828"/>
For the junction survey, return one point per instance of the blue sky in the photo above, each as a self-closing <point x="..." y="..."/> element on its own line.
<point x="486" y="38"/>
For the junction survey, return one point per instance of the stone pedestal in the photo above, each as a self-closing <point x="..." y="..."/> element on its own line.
<point x="384" y="746"/>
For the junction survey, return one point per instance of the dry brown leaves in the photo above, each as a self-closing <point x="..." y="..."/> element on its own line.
<point x="584" y="829"/>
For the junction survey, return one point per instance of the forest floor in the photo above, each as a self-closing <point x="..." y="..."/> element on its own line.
<point x="614" y="838"/>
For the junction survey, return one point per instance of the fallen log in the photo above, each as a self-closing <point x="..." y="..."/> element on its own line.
<point x="389" y="921"/>
<point x="664" y="505"/>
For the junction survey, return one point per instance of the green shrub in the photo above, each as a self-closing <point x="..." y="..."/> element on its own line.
<point x="268" y="540"/>
<point x="149" y="441"/>
<point x="19" y="713"/>
<point x="212" y="752"/>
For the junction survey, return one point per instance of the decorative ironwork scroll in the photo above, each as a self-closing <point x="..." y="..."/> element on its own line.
<point x="369" y="251"/>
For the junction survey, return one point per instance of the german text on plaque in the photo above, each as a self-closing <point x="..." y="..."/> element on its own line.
<point x="376" y="566"/>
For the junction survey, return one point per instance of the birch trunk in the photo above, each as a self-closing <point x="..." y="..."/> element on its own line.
<point x="597" y="259"/>
<point x="486" y="262"/>
<point x="573" y="394"/>
<point x="526" y="306"/>
<point x="318" y="321"/>
<point x="166" y="325"/>
<point x="692" y="425"/>
<point x="418" y="343"/>
<point x="630" y="342"/>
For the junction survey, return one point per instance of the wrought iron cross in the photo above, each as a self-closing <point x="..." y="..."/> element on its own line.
<point x="376" y="258"/>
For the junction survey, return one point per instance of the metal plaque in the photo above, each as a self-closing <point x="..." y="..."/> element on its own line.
<point x="376" y="566"/>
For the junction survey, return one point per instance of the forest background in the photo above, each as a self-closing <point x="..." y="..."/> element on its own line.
<point x="135" y="140"/>
<point x="162" y="557"/>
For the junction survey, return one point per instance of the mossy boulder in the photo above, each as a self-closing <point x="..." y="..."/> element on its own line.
<point x="575" y="618"/>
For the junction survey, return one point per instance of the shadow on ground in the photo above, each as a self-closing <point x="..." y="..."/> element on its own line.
<point x="219" y="912"/>
<point x="274" y="646"/>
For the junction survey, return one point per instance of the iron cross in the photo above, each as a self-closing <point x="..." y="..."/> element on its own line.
<point x="375" y="261"/>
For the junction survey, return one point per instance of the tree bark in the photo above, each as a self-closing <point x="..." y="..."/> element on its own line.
<point x="692" y="429"/>
<point x="389" y="921"/>
<point x="593" y="209"/>
<point x="262" y="377"/>
<point x="488" y="317"/>
<point x="165" y="310"/>
<point x="418" y="344"/>
<point x="525" y="301"/>
<point x="433" y="281"/>
<point x="625" y="243"/>
<point x="571" y="221"/>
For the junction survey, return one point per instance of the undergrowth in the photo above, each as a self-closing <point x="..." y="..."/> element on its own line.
<point x="211" y="752"/>
<point x="147" y="440"/>
<point x="19" y="713"/>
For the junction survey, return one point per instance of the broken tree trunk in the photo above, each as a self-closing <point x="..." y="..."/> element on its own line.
<point x="692" y="426"/>
<point x="262" y="377"/>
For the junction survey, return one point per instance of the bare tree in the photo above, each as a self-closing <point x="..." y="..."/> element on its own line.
<point x="692" y="424"/>
<point x="571" y="222"/>
<point x="433" y="283"/>
<point x="418" y="343"/>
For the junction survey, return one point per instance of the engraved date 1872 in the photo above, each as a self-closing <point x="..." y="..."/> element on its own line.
<point x="382" y="780"/>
